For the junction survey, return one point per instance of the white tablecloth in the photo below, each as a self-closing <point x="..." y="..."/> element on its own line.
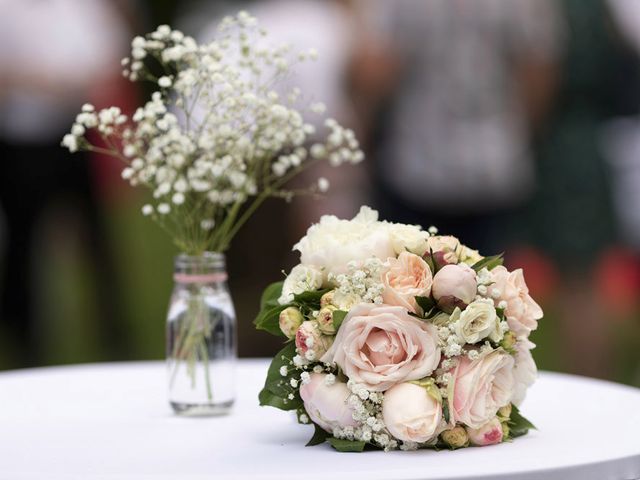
<point x="111" y="421"/>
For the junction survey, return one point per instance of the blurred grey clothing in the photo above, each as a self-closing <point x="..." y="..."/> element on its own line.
<point x="456" y="134"/>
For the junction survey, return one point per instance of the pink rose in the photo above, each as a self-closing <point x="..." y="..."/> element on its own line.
<point x="524" y="371"/>
<point x="522" y="311"/>
<point x="411" y="413"/>
<point x="454" y="286"/>
<point x="488" y="434"/>
<point x="408" y="276"/>
<point x="381" y="345"/>
<point x="327" y="405"/>
<point x="480" y="387"/>
<point x="309" y="338"/>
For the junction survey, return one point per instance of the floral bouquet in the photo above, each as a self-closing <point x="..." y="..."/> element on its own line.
<point x="399" y="338"/>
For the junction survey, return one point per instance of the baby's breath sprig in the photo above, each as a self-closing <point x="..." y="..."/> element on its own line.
<point x="216" y="139"/>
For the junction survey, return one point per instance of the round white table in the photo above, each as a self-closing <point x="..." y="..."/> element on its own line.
<point x="111" y="421"/>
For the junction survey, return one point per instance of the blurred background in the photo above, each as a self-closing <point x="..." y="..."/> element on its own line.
<point x="513" y="124"/>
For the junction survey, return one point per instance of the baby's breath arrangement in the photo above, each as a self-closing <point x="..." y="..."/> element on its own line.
<point x="217" y="138"/>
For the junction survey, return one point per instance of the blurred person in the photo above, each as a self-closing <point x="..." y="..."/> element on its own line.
<point x="458" y="85"/>
<point x="54" y="55"/>
<point x="572" y="218"/>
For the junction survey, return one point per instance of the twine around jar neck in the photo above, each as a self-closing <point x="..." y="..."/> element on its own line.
<point x="210" y="267"/>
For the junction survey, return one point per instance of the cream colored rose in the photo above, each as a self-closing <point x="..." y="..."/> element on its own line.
<point x="327" y="405"/>
<point x="455" y="437"/>
<point x="480" y="387"/>
<point x="454" y="286"/>
<point x="444" y="248"/>
<point x="522" y="311"/>
<point x="488" y="434"/>
<point x="408" y="276"/>
<point x="379" y="346"/>
<point x="479" y="321"/>
<point x="408" y="238"/>
<point x="332" y="243"/>
<point x="411" y="413"/>
<point x="289" y="321"/>
<point x="469" y="255"/>
<point x="525" y="371"/>
<point x="301" y="278"/>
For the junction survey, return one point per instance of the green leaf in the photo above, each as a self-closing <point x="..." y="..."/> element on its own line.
<point x="276" y="387"/>
<point x="338" y="318"/>
<point x="518" y="425"/>
<point x="319" y="436"/>
<point x="270" y="295"/>
<point x="428" y="257"/>
<point x="309" y="299"/>
<point x="425" y="303"/>
<point x="445" y="411"/>
<point x="489" y="262"/>
<point x="342" y="445"/>
<point x="269" y="320"/>
<point x="270" y="399"/>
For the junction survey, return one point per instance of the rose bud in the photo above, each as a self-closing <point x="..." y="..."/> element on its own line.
<point x="443" y="249"/>
<point x="290" y="319"/>
<point x="456" y="437"/>
<point x="325" y="320"/>
<point x="454" y="286"/>
<point x="504" y="413"/>
<point x="327" y="299"/>
<point x="508" y="341"/>
<point x="488" y="434"/>
<point x="310" y="342"/>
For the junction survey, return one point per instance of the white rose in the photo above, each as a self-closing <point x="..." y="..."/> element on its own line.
<point x="408" y="238"/>
<point x="332" y="243"/>
<point x="525" y="371"/>
<point x="301" y="279"/>
<point x="379" y="346"/>
<point x="327" y="405"/>
<point x="478" y="321"/>
<point x="411" y="412"/>
<point x="480" y="387"/>
<point x="469" y="255"/>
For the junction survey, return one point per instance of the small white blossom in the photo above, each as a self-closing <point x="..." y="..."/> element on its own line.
<point x="323" y="184"/>
<point x="284" y="371"/>
<point x="164" y="208"/>
<point x="164" y="82"/>
<point x="329" y="379"/>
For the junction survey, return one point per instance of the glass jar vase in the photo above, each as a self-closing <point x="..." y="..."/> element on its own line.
<point x="201" y="337"/>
